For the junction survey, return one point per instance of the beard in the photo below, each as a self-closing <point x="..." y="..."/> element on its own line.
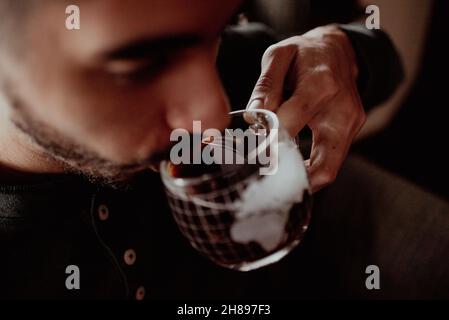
<point x="76" y="158"/>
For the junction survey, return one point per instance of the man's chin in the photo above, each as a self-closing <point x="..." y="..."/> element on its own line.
<point x="114" y="177"/>
<point x="103" y="171"/>
<point x="121" y="180"/>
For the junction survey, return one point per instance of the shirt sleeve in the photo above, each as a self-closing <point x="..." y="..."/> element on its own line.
<point x="380" y="67"/>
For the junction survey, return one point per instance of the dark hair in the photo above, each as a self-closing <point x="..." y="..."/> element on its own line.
<point x="13" y="14"/>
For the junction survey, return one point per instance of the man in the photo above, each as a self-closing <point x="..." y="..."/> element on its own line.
<point x="100" y="103"/>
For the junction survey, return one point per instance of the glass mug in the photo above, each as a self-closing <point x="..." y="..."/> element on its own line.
<point x="249" y="212"/>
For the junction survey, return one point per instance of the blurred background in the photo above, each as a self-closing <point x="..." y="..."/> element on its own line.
<point x="406" y="135"/>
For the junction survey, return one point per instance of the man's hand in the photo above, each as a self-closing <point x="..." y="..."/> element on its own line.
<point x="319" y="71"/>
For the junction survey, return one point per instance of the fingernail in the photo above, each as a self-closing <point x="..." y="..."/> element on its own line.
<point x="255" y="104"/>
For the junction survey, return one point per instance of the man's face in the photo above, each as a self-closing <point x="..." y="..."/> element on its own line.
<point x="105" y="98"/>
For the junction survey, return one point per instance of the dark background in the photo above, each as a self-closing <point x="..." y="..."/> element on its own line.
<point x="415" y="144"/>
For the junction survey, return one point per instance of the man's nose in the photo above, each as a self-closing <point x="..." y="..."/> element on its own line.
<point x="196" y="94"/>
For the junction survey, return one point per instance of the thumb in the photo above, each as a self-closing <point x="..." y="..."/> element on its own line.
<point x="269" y="89"/>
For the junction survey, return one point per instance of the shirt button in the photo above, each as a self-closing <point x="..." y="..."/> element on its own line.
<point x="130" y="257"/>
<point x="103" y="212"/>
<point x="140" y="293"/>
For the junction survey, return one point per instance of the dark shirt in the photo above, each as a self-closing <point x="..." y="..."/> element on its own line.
<point x="125" y="242"/>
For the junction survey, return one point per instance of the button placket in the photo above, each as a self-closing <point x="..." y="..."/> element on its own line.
<point x="116" y="241"/>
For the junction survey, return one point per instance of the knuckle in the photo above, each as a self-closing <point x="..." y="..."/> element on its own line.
<point x="271" y="52"/>
<point x="359" y="118"/>
<point x="264" y="83"/>
<point x="328" y="175"/>
<point x="278" y="50"/>
<point x="335" y="36"/>
<point x="328" y="83"/>
<point x="362" y="117"/>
